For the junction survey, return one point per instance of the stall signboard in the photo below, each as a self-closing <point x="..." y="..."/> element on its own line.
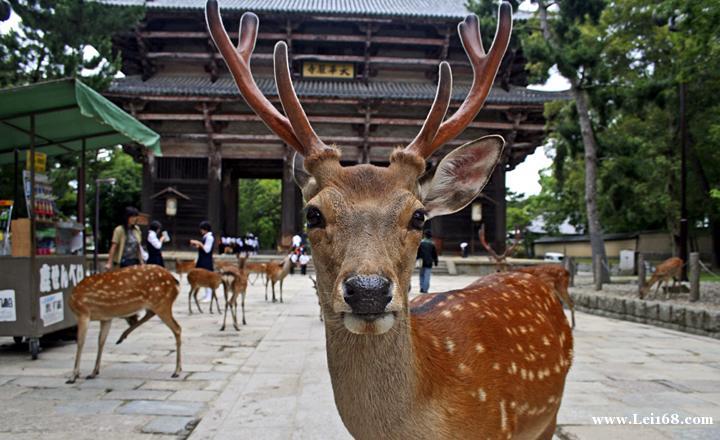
<point x="59" y="276"/>
<point x="40" y="161"/>
<point x="7" y="306"/>
<point x="314" y="69"/>
<point x="51" y="309"/>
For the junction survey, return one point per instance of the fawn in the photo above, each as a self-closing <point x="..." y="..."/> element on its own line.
<point x="198" y="278"/>
<point x="236" y="281"/>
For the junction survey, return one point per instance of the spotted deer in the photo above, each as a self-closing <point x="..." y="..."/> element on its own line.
<point x="119" y="294"/>
<point x="501" y="264"/>
<point x="668" y="269"/>
<point x="276" y="273"/>
<point x="556" y="276"/>
<point x="483" y="362"/>
<point x="198" y="278"/>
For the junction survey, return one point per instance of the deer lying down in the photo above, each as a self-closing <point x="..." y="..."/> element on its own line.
<point x="119" y="294"/>
<point x="198" y="278"/>
<point x="556" y="276"/>
<point x="236" y="281"/>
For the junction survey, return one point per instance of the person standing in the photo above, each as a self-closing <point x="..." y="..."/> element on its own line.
<point x="155" y="244"/>
<point x="205" y="248"/>
<point x="428" y="254"/>
<point x="125" y="249"/>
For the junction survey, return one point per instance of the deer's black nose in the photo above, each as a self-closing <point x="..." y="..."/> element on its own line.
<point x="367" y="294"/>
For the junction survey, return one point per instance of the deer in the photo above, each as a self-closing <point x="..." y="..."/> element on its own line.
<point x="183" y="266"/>
<point x="315" y="288"/>
<point x="483" y="361"/>
<point x="501" y="264"/>
<point x="123" y="293"/>
<point x="236" y="281"/>
<point x="556" y="276"/>
<point x="198" y="278"/>
<point x="274" y="273"/>
<point x="670" y="268"/>
<point x="258" y="268"/>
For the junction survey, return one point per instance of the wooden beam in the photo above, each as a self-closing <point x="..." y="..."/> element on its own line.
<point x="367" y="119"/>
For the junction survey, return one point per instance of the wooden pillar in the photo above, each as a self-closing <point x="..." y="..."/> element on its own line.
<point x="230" y="203"/>
<point x="500" y="220"/>
<point x="641" y="273"/>
<point x="694" y="276"/>
<point x="148" y="174"/>
<point x="290" y="208"/>
<point x="214" y="215"/>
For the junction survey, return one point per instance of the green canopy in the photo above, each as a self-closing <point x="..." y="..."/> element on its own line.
<point x="66" y="112"/>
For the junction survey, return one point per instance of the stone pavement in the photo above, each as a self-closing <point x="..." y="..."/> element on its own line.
<point x="270" y="380"/>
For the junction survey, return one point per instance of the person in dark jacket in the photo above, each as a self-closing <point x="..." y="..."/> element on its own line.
<point x="428" y="254"/>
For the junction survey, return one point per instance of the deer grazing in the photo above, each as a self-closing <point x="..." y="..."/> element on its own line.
<point x="501" y="264"/>
<point x="487" y="361"/>
<point x="274" y="273"/>
<point x="119" y="294"/>
<point x="198" y="278"/>
<point x="556" y="276"/>
<point x="668" y="269"/>
<point x="236" y="281"/>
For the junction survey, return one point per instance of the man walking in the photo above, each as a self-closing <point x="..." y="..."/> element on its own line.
<point x="428" y="255"/>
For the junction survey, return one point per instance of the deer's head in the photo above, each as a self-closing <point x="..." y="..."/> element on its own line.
<point x="365" y="222"/>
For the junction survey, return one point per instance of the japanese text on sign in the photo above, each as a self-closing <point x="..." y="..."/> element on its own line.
<point x="313" y="69"/>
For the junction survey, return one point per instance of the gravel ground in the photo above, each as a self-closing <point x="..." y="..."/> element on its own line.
<point x="627" y="287"/>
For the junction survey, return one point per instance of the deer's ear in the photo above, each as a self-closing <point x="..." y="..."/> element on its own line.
<point x="302" y="178"/>
<point x="461" y="176"/>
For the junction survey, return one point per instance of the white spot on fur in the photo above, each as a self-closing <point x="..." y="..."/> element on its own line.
<point x="479" y="348"/>
<point x="449" y="345"/>
<point x="482" y="395"/>
<point x="503" y="416"/>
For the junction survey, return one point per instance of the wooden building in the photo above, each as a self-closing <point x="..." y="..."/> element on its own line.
<point x="365" y="72"/>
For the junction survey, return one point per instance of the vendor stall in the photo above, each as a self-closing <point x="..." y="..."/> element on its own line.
<point x="45" y="257"/>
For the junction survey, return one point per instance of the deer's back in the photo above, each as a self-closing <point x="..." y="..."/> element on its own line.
<point x="124" y="292"/>
<point x="496" y="352"/>
<point x="199" y="277"/>
<point x="554" y="274"/>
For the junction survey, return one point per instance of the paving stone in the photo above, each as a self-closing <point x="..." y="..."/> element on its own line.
<point x="174" y="385"/>
<point x="109" y="384"/>
<point x="168" y="425"/>
<point x="87" y="407"/>
<point x="138" y="395"/>
<point x="161" y="408"/>
<point x="194" y="396"/>
<point x="211" y="375"/>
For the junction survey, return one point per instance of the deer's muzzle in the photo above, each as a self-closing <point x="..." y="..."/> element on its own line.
<point x="367" y="295"/>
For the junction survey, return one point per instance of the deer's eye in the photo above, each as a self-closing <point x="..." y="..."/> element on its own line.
<point x="314" y="218"/>
<point x="418" y="220"/>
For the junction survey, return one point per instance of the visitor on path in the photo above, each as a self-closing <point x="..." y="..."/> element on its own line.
<point x="205" y="247"/>
<point x="428" y="254"/>
<point x="125" y="249"/>
<point x="155" y="243"/>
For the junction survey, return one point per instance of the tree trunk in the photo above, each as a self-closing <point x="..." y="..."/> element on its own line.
<point x="597" y="243"/>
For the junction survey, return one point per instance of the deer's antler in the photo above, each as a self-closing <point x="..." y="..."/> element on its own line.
<point x="511" y="250"/>
<point x="485" y="67"/>
<point x="296" y="130"/>
<point x="485" y="244"/>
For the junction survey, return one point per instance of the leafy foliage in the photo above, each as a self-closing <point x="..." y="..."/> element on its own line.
<point x="259" y="209"/>
<point x="55" y="37"/>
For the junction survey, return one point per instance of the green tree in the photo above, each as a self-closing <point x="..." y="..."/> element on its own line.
<point x="259" y="209"/>
<point x="55" y="38"/>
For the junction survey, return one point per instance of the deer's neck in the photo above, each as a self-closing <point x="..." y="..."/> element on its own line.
<point x="373" y="379"/>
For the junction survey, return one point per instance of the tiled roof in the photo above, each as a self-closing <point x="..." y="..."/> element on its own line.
<point x="202" y="86"/>
<point x="443" y="9"/>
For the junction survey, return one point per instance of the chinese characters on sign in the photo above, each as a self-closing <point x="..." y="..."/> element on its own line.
<point x="314" y="69"/>
<point x="60" y="276"/>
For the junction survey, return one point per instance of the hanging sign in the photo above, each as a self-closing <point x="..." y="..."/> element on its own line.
<point x="315" y="69"/>
<point x="40" y="161"/>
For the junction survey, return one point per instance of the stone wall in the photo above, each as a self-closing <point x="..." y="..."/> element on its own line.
<point x="677" y="316"/>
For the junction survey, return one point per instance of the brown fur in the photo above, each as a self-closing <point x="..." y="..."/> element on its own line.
<point x="670" y="268"/>
<point x="122" y="293"/>
<point x="276" y="272"/>
<point x="556" y="276"/>
<point x="406" y="383"/>
<point x="203" y="278"/>
<point x="183" y="266"/>
<point x="235" y="280"/>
